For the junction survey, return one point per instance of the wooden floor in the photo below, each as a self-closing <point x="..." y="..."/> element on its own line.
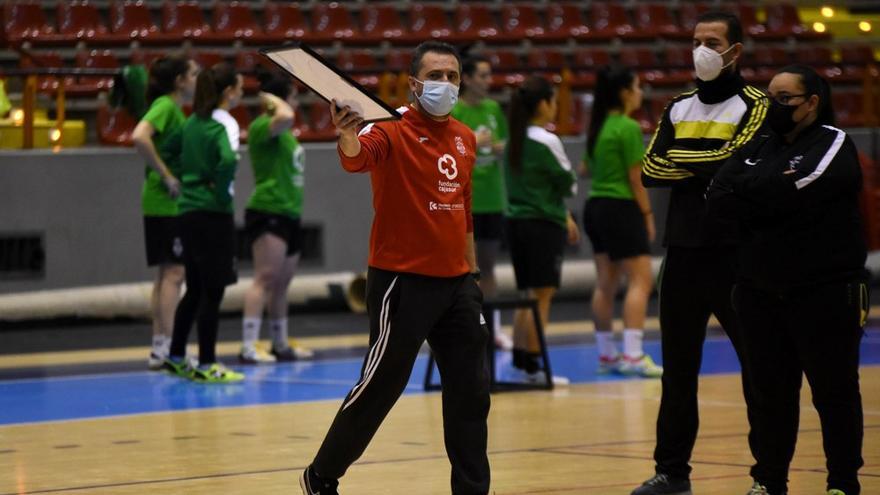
<point x="587" y="439"/>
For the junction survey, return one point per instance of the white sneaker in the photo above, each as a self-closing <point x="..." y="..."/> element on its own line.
<point x="503" y="341"/>
<point x="642" y="366"/>
<point x="608" y="365"/>
<point x="255" y="356"/>
<point x="155" y="361"/>
<point x="540" y="377"/>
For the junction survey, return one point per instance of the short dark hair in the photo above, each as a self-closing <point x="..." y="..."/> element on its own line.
<point x="432" y="46"/>
<point x="734" y="28"/>
<point x="164" y="72"/>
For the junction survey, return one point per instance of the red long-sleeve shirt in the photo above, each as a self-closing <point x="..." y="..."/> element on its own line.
<point x="420" y="170"/>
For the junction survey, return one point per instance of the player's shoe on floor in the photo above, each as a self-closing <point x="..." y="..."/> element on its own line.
<point x="835" y="491"/>
<point x="293" y="352"/>
<point x="758" y="489"/>
<point x="216" y="373"/>
<point x="608" y="365"/>
<point x="182" y="368"/>
<point x="155" y="362"/>
<point x="642" y="366"/>
<point x="255" y="356"/>
<point x="311" y="484"/>
<point x="503" y="341"/>
<point x="662" y="484"/>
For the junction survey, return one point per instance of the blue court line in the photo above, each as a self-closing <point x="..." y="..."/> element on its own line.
<point x="36" y="400"/>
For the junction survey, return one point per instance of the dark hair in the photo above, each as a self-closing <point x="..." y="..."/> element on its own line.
<point x="431" y="46"/>
<point x="274" y="82"/>
<point x="469" y="67"/>
<point x="609" y="81"/>
<point x="164" y="72"/>
<point x="734" y="28"/>
<point x="210" y="85"/>
<point x="523" y="105"/>
<point x="814" y="84"/>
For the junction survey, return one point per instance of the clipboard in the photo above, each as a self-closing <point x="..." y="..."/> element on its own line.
<point x="328" y="82"/>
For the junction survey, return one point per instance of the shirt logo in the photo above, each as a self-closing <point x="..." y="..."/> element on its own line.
<point x="434" y="206"/>
<point x="749" y="161"/>
<point x="451" y="171"/>
<point x="422" y="139"/>
<point x="459" y="145"/>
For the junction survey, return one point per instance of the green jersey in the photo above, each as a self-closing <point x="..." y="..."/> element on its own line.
<point x="543" y="182"/>
<point x="166" y="118"/>
<point x="278" y="163"/>
<point x="619" y="146"/>
<point x="209" y="166"/>
<point x="487" y="181"/>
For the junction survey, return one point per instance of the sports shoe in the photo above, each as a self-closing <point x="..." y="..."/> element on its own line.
<point x="311" y="484"/>
<point x="526" y="361"/>
<point x="155" y="362"/>
<point x="503" y="341"/>
<point x="216" y="373"/>
<point x="758" y="489"/>
<point x="642" y="366"/>
<point x="662" y="484"/>
<point x="609" y="364"/>
<point x="835" y="491"/>
<point x="292" y="352"/>
<point x="183" y="369"/>
<point x="254" y="356"/>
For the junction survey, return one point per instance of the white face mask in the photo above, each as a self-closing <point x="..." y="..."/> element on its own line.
<point x="708" y="63"/>
<point x="438" y="97"/>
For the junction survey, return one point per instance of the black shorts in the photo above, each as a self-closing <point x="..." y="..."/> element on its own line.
<point x="162" y="240"/>
<point x="536" y="248"/>
<point x="616" y="227"/>
<point x="488" y="226"/>
<point x="209" y="247"/>
<point x="257" y="223"/>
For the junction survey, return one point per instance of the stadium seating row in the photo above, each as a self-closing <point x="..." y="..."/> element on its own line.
<point x="325" y="22"/>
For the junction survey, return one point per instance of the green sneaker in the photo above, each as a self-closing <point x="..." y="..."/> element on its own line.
<point x="642" y="366"/>
<point x="183" y="369"/>
<point x="217" y="373"/>
<point x="835" y="491"/>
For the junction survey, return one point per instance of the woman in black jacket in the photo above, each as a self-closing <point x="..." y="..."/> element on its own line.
<point x="801" y="293"/>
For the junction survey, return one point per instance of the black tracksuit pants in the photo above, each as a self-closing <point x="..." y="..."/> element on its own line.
<point x="404" y="310"/>
<point x="815" y="332"/>
<point x="694" y="284"/>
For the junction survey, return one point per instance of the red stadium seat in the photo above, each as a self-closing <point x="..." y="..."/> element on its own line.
<point x="46" y="84"/>
<point x="92" y="85"/>
<point x="550" y="62"/>
<point x="144" y="57"/>
<point x="646" y="62"/>
<point x="284" y="22"/>
<point x="235" y="21"/>
<point x="131" y="19"/>
<point x="857" y="54"/>
<point x="679" y="63"/>
<point x="398" y="60"/>
<point x="184" y="19"/>
<point x="115" y="125"/>
<point x="26" y="21"/>
<point x="247" y="62"/>
<point x="381" y="23"/>
<point x="610" y="21"/>
<point x="585" y="63"/>
<point x="821" y="59"/>
<point x="320" y="127"/>
<point x="360" y="65"/>
<point x="207" y="59"/>
<point x="506" y="68"/>
<point x="475" y="23"/>
<point x="521" y="21"/>
<point x="332" y="22"/>
<point x="427" y="22"/>
<point x="79" y="20"/>
<point x="655" y="20"/>
<point x="688" y="13"/>
<point x="848" y="108"/>
<point x="566" y="21"/>
<point x="760" y="66"/>
<point x="784" y="19"/>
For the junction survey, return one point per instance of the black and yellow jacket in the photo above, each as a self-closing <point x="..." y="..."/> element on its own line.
<point x="698" y="132"/>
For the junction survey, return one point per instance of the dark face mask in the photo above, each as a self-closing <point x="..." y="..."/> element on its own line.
<point x="779" y="117"/>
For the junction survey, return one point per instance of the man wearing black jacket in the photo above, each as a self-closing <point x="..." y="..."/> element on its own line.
<point x="801" y="292"/>
<point x="698" y="132"/>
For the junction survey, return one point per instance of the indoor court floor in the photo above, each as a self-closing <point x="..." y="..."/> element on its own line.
<point x="135" y="432"/>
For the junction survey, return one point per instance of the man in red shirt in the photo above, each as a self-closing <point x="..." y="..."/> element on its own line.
<point x="421" y="282"/>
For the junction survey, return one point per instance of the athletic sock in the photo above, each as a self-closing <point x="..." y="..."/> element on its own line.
<point x="160" y="346"/>
<point x="632" y="343"/>
<point x="250" y="331"/>
<point x="605" y="343"/>
<point x="278" y="329"/>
